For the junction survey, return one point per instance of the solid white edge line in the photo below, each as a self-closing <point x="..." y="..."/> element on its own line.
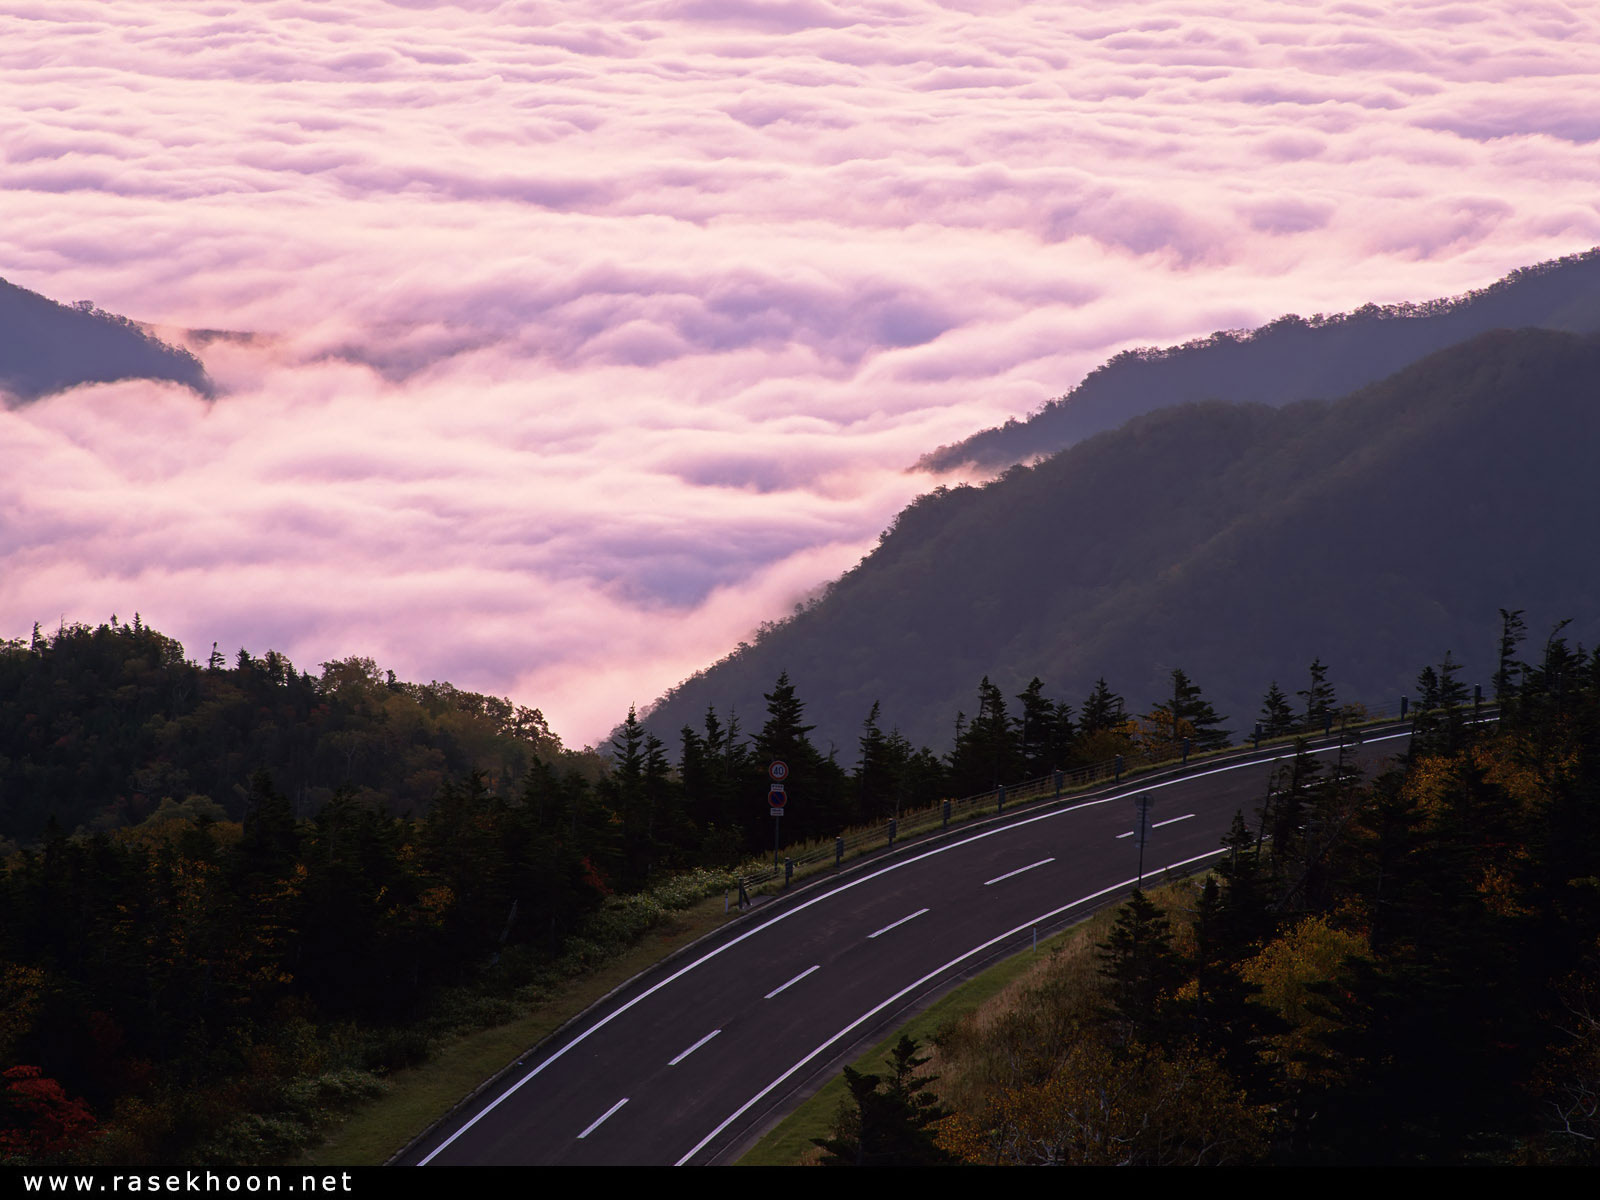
<point x="897" y="924"/>
<point x="693" y="1048"/>
<point x="1171" y="821"/>
<point x="931" y="975"/>
<point x="1120" y="836"/>
<point x="792" y="982"/>
<point x="600" y="1120"/>
<point x="1018" y="871"/>
<point x="845" y="887"/>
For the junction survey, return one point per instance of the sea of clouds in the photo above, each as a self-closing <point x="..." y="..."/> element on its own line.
<point x="585" y="337"/>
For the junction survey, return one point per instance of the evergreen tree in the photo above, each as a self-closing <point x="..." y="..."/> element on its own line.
<point x="1512" y="628"/>
<point x="714" y="767"/>
<point x="1102" y="710"/>
<point x="1440" y="726"/>
<point x="1244" y="917"/>
<point x="1043" y="728"/>
<point x="887" y="1122"/>
<point x="1191" y="716"/>
<point x="987" y="753"/>
<point x="1141" y="970"/>
<point x="1220" y="1015"/>
<point x="1277" y="718"/>
<point x="1286" y="812"/>
<point x="874" y="777"/>
<point x="645" y="800"/>
<point x="1318" y="697"/>
<point x="882" y="781"/>
<point x="1547" y="686"/>
<point x="817" y="786"/>
<point x="783" y="737"/>
<point x="1427" y="689"/>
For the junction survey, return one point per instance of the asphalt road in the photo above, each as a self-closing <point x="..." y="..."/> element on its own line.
<point x="692" y="1060"/>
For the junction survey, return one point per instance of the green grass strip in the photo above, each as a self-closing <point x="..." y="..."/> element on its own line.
<point x="421" y="1095"/>
<point x="789" y="1144"/>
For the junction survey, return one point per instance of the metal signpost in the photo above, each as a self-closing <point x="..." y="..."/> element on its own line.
<point x="777" y="771"/>
<point x="1142" y="805"/>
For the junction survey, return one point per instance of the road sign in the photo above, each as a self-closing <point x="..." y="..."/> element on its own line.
<point x="1142" y="807"/>
<point x="778" y="771"/>
<point x="777" y="798"/>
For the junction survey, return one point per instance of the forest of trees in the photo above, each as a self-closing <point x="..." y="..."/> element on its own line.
<point x="1404" y="970"/>
<point x="214" y="868"/>
<point x="111" y="727"/>
<point x="231" y="881"/>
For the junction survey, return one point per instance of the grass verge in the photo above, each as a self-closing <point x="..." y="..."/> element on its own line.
<point x="417" y="1097"/>
<point x="789" y="1144"/>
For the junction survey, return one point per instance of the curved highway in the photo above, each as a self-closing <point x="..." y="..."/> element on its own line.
<point x="690" y="1061"/>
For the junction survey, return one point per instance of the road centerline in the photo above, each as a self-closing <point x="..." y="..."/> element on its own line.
<point x="691" y="1049"/>
<point x="896" y="924"/>
<point x="601" y="1119"/>
<point x="1171" y="821"/>
<point x="792" y="982"/>
<point x="1018" y="871"/>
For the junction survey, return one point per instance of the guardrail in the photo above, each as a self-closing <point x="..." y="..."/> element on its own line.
<point x="811" y="857"/>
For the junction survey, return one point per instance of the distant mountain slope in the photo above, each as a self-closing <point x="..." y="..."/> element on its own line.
<point x="1234" y="541"/>
<point x="1291" y="359"/>
<point x="47" y="347"/>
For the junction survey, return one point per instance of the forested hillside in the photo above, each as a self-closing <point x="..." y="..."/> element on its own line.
<point x="1293" y="358"/>
<point x="239" y="895"/>
<point x="99" y="726"/>
<point x="1232" y="541"/>
<point x="47" y="347"/>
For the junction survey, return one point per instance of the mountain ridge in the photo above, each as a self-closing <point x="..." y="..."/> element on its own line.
<point x="1194" y="536"/>
<point x="1288" y="359"/>
<point x="47" y="347"/>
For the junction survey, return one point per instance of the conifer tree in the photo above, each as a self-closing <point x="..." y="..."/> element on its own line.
<point x="817" y="785"/>
<point x="1318" y="697"/>
<point x="1140" y="969"/>
<point x="784" y="734"/>
<point x="1277" y="718"/>
<point x="1102" y="710"/>
<point x="1191" y="716"/>
<point x="1221" y="1018"/>
<point x="1243" y="918"/>
<point x="987" y="752"/>
<point x="1035" y="728"/>
<point x="887" y="1122"/>
<point x="1440" y="725"/>
<point x="881" y="782"/>
<point x="1512" y="628"/>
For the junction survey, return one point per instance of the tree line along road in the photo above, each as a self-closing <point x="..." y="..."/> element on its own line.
<point x="692" y="1060"/>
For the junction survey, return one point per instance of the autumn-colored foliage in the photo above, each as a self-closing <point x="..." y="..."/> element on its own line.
<point x="1404" y="971"/>
<point x="38" y="1120"/>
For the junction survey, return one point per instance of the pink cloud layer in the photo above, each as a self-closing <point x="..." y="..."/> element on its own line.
<point x="592" y="336"/>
